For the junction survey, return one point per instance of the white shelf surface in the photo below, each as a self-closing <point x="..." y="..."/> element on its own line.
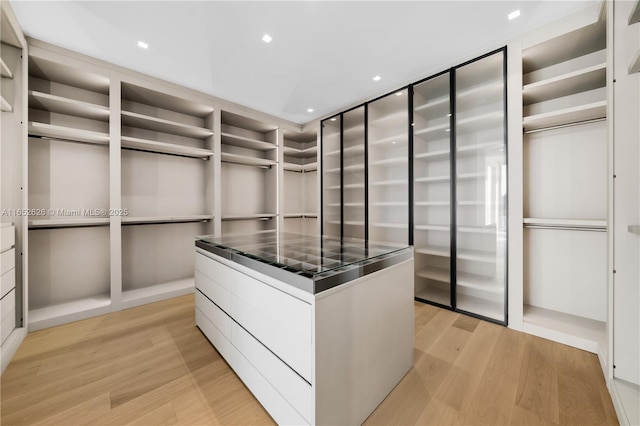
<point x="244" y="142"/>
<point x="349" y="150"/>
<point x="5" y="106"/>
<point x="259" y="216"/>
<point x="433" y="179"/>
<point x="444" y="228"/>
<point x="247" y="161"/>
<point x="59" y="104"/>
<point x="389" y="139"/>
<point x="485" y="145"/>
<point x="635" y="64"/>
<point x="442" y="297"/>
<point x="165" y="126"/>
<point x="480" y="306"/>
<point x="154" y="293"/>
<point x="489" y="230"/>
<point x="432" y="203"/>
<point x="390" y="225"/>
<point x="591" y="111"/>
<point x="395" y="160"/>
<point x="476" y="255"/>
<point x="566" y="223"/>
<point x="300" y="153"/>
<point x="292" y="167"/>
<point x="566" y="84"/>
<point x="389" y="182"/>
<point x="5" y="72"/>
<point x="67" y="133"/>
<point x="433" y="154"/>
<point x="579" y="332"/>
<point x="72" y="310"/>
<point x="148" y="220"/>
<point x="436" y="274"/>
<point x="389" y="204"/>
<point x="463" y="279"/>
<point x="434" y="251"/>
<point x="634" y="17"/>
<point x="164" y="148"/>
<point x="300" y="215"/>
<point x="72" y="222"/>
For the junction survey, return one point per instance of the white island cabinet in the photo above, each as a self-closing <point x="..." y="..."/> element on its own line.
<point x="319" y="329"/>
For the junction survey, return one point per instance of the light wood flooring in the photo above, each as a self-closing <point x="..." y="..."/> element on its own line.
<point x="151" y="366"/>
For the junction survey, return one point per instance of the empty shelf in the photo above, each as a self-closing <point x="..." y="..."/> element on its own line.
<point x="432" y="203"/>
<point x="566" y="84"/>
<point x="5" y="106"/>
<point x="436" y="274"/>
<point x="433" y="154"/>
<point x="72" y="310"/>
<point x="164" y="148"/>
<point x="4" y="69"/>
<point x="59" y="104"/>
<point x="301" y="153"/>
<point x="433" y="179"/>
<point x="587" y="224"/>
<point x="396" y="160"/>
<point x="434" y="251"/>
<point x="445" y="228"/>
<point x="436" y="295"/>
<point x="244" y="142"/>
<point x="594" y="110"/>
<point x="165" y="126"/>
<point x="634" y="17"/>
<point x="69" y="222"/>
<point x="393" y="140"/>
<point x="156" y="292"/>
<point x="486" y="145"/>
<point x="635" y="64"/>
<point x="390" y="225"/>
<point x="389" y="182"/>
<point x="249" y="161"/>
<point x="258" y="216"/>
<point x="67" y="133"/>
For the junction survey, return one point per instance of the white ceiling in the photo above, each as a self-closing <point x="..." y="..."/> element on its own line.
<point x="323" y="54"/>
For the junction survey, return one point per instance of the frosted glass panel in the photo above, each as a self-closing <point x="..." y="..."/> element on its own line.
<point x="353" y="173"/>
<point x="432" y="189"/>
<point x="388" y="127"/>
<point x="481" y="187"/>
<point x="331" y="177"/>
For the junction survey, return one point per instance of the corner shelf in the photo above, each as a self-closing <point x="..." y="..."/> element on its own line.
<point x="59" y="104"/>
<point x="164" y="148"/>
<point x="5" y="72"/>
<point x="247" y="161"/>
<point x="165" y="126"/>
<point x="300" y="168"/>
<point x="67" y="133"/>
<point x="151" y="220"/>
<point x="300" y="153"/>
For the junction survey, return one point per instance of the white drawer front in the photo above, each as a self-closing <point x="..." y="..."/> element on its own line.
<point x="221" y="343"/>
<point x="7" y="325"/>
<point x="8" y="303"/>
<point x="217" y="317"/>
<point x="7" y="237"/>
<point x="281" y="322"/>
<point x="7" y="282"/>
<point x="290" y="385"/>
<point x="216" y="271"/>
<point x="7" y="261"/>
<point x="214" y="291"/>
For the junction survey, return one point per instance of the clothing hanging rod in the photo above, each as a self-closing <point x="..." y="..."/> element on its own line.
<point x="561" y="126"/>
<point x="566" y="228"/>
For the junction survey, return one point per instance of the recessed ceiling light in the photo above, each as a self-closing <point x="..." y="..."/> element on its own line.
<point x="377" y="78"/>
<point x="267" y="38"/>
<point x="309" y="109"/>
<point x="398" y="93"/>
<point x="514" y="14"/>
<point x="143" y="45"/>
<point x="333" y="119"/>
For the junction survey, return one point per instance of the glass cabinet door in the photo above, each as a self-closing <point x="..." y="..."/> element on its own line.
<point x="331" y="184"/>
<point x="388" y="168"/>
<point x="481" y="187"/>
<point x="432" y="189"/>
<point x="353" y="173"/>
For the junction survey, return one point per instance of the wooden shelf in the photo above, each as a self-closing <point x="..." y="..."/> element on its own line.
<point x="150" y="220"/>
<point x="5" y="72"/>
<point x="247" y="161"/>
<point x="591" y="111"/>
<point x="244" y="142"/>
<point x="566" y="84"/>
<point x="154" y="293"/>
<point x="58" y="104"/>
<point x="165" y="126"/>
<point x="579" y="332"/>
<point x="72" y="310"/>
<point x="262" y="216"/>
<point x="72" y="222"/>
<point x="5" y="106"/>
<point x="164" y="148"/>
<point x="67" y="133"/>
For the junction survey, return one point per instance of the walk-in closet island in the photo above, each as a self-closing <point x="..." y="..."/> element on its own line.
<point x="320" y="329"/>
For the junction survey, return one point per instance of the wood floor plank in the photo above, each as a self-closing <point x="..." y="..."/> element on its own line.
<point x="150" y="365"/>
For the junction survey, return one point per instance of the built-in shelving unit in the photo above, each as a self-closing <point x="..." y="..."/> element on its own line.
<point x="69" y="275"/>
<point x="353" y="175"/>
<point x="300" y="176"/>
<point x="565" y="188"/>
<point x="331" y="202"/>
<point x="388" y="171"/>
<point x="167" y="187"/>
<point x="249" y="174"/>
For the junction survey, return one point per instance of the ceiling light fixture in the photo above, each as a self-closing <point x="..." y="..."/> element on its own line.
<point x="333" y="119"/>
<point x="377" y="78"/>
<point x="267" y="38"/>
<point x="143" y="45"/>
<point x="514" y="14"/>
<point x="447" y="130"/>
<point x="309" y="109"/>
<point x="398" y="93"/>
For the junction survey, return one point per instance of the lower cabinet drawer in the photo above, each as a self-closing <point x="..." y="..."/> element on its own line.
<point x="8" y="310"/>
<point x="7" y="282"/>
<point x="289" y="384"/>
<point x="213" y="290"/>
<point x="214" y="314"/>
<point x="8" y="303"/>
<point x="7" y="261"/>
<point x="7" y="237"/>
